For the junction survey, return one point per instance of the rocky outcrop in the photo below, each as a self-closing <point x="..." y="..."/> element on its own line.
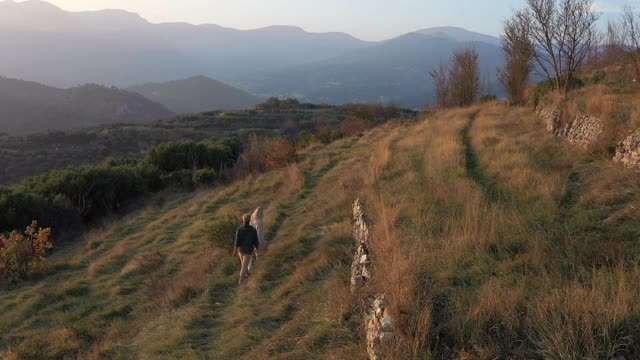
<point x="628" y="150"/>
<point x="378" y="323"/>
<point x="380" y="328"/>
<point x="360" y="267"/>
<point x="583" y="130"/>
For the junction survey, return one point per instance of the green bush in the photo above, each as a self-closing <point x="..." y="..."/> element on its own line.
<point x="221" y="234"/>
<point x="204" y="177"/>
<point x="179" y="178"/>
<point x="186" y="154"/>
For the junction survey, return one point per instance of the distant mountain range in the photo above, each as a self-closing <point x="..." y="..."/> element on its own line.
<point x="28" y="107"/>
<point x="196" y="94"/>
<point x="394" y="70"/>
<point x="120" y="48"/>
<point x="44" y="43"/>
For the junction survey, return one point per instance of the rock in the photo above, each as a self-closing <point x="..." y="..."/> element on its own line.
<point x="386" y="338"/>
<point x="584" y="130"/>
<point x="366" y="273"/>
<point x="357" y="281"/>
<point x="387" y="323"/>
<point x="628" y="150"/>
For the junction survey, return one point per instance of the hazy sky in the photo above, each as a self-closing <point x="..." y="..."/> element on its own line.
<point x="366" y="19"/>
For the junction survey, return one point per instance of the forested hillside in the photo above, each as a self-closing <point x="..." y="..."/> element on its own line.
<point x="29" y="107"/>
<point x="196" y="94"/>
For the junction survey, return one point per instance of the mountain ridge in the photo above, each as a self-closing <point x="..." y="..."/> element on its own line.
<point x="30" y="107"/>
<point x="196" y="94"/>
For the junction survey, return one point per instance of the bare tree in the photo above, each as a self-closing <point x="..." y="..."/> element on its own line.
<point x="440" y="77"/>
<point x="563" y="35"/>
<point x="464" y="77"/>
<point x="518" y="50"/>
<point x="631" y="36"/>
<point x="614" y="41"/>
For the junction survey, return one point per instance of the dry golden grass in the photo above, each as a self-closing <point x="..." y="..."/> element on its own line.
<point x="477" y="256"/>
<point x="491" y="240"/>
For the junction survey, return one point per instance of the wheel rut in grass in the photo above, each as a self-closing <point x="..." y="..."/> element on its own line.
<point x="473" y="168"/>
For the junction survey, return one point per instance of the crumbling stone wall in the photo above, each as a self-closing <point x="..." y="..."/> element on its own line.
<point x="379" y="326"/>
<point x="378" y="323"/>
<point x="583" y="130"/>
<point x="360" y="272"/>
<point x="628" y="150"/>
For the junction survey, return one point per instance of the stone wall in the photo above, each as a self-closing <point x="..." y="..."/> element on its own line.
<point x="628" y="150"/>
<point x="378" y="323"/>
<point x="583" y="130"/>
<point x="379" y="326"/>
<point x="360" y="272"/>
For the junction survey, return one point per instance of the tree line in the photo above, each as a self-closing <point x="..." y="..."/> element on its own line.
<point x="554" y="38"/>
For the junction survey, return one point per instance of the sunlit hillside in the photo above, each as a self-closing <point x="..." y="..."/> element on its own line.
<point x="492" y="239"/>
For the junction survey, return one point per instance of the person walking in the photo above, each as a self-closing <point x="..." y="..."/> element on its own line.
<point x="257" y="221"/>
<point x="246" y="242"/>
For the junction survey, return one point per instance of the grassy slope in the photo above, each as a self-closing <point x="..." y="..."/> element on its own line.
<point x="496" y="240"/>
<point x="150" y="287"/>
<point x="492" y="239"/>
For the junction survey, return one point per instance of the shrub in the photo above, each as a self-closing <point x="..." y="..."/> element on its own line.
<point x="204" y="177"/>
<point x="221" y="234"/>
<point x="182" y="178"/>
<point x="21" y="252"/>
<point x="280" y="153"/>
<point x="353" y="127"/>
<point x="263" y="154"/>
<point x="305" y="138"/>
<point x="544" y="87"/>
<point x="186" y="154"/>
<point x="488" y="98"/>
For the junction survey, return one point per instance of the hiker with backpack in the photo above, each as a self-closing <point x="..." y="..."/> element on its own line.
<point x="245" y="243"/>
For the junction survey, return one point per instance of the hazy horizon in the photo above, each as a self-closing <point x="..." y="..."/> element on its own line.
<point x="357" y="18"/>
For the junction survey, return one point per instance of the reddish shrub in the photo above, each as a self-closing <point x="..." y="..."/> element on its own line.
<point x="21" y="252"/>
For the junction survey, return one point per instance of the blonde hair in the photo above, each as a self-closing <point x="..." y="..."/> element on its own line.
<point x="257" y="214"/>
<point x="246" y="218"/>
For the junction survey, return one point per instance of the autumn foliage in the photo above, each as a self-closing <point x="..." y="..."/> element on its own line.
<point x="20" y="252"/>
<point x="264" y="154"/>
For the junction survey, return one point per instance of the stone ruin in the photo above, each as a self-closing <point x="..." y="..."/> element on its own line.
<point x="379" y="327"/>
<point x="583" y="130"/>
<point x="628" y="150"/>
<point x="378" y="323"/>
<point x="360" y="272"/>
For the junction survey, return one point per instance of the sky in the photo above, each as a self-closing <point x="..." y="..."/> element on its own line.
<point x="372" y="20"/>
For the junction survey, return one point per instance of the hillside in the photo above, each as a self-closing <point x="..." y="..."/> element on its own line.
<point x="195" y="95"/>
<point x="28" y="107"/>
<point x="491" y="239"/>
<point x="393" y="70"/>
<point x="38" y="153"/>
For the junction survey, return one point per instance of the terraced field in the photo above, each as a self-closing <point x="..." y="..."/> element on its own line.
<point x="491" y="239"/>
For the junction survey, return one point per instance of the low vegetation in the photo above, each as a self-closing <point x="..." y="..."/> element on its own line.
<point x="39" y="153"/>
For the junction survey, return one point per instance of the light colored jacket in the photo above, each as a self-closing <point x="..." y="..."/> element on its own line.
<point x="259" y="225"/>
